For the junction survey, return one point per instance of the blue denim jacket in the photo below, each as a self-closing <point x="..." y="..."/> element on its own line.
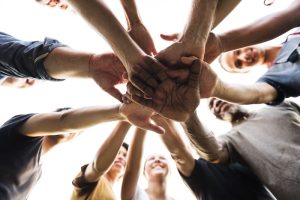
<point x="25" y="59"/>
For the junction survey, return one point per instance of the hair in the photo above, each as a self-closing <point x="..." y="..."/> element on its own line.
<point x="125" y="145"/>
<point x="62" y="109"/>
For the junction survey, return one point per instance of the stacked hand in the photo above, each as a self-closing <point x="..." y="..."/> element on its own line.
<point x="169" y="98"/>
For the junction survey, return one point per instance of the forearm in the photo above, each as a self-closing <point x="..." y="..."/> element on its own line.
<point x="73" y="120"/>
<point x="107" y="153"/>
<point x="131" y="12"/>
<point x="245" y="94"/>
<point x="110" y="148"/>
<point x="132" y="173"/>
<point x="224" y="8"/>
<point x="199" y="25"/>
<point x="64" y="62"/>
<point x="262" y="30"/>
<point x="204" y="140"/>
<point x="103" y="20"/>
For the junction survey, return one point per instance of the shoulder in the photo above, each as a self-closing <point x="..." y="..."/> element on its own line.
<point x="14" y="123"/>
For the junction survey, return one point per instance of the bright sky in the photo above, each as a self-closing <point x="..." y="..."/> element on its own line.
<point x="29" y="21"/>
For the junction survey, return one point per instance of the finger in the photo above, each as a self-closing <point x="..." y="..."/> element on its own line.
<point x="152" y="127"/>
<point x="171" y="37"/>
<point x="188" y="60"/>
<point x="157" y="69"/>
<point x="142" y="73"/>
<point x="180" y="74"/>
<point x="143" y="101"/>
<point x="126" y="99"/>
<point x="154" y="52"/>
<point x="193" y="80"/>
<point x="115" y="93"/>
<point x="133" y="90"/>
<point x="142" y="86"/>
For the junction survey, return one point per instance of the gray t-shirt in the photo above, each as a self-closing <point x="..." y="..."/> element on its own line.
<point x="269" y="142"/>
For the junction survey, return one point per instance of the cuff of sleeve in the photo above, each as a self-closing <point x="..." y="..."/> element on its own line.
<point x="48" y="46"/>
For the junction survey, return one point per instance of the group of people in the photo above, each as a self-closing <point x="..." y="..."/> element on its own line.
<point x="257" y="159"/>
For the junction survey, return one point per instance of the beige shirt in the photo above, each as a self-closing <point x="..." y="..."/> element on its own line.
<point x="100" y="190"/>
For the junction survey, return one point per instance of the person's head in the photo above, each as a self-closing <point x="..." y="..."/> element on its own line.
<point x="226" y="111"/>
<point x="242" y="60"/>
<point x="62" y="4"/>
<point x="156" y="166"/>
<point x="118" y="167"/>
<point x="16" y="82"/>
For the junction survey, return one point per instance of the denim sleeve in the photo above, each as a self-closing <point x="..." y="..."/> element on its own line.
<point x="25" y="58"/>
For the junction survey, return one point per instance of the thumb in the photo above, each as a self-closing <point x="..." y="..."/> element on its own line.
<point x="171" y="37"/>
<point x="115" y="93"/>
<point x="152" y="127"/>
<point x="188" y="60"/>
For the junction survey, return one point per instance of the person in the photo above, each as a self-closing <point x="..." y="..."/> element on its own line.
<point x="156" y="171"/>
<point x="208" y="180"/>
<point x="96" y="179"/>
<point x="53" y="61"/>
<point x="62" y="4"/>
<point x="25" y="138"/>
<point x="10" y="81"/>
<point x="266" y="140"/>
<point x="244" y="59"/>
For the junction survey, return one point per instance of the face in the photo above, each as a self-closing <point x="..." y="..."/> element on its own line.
<point x="120" y="162"/>
<point x="227" y="111"/>
<point x="18" y="82"/>
<point x="156" y="165"/>
<point x="55" y="3"/>
<point x="242" y="60"/>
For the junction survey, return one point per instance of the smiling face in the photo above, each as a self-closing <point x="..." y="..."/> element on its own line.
<point x="55" y="3"/>
<point x="227" y="111"/>
<point x="156" y="166"/>
<point x="119" y="164"/>
<point x="242" y="60"/>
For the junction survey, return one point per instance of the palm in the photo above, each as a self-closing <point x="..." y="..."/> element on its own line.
<point x="107" y="71"/>
<point x="173" y="100"/>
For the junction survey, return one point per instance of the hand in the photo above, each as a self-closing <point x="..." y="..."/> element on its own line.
<point x="171" y="55"/>
<point x="213" y="48"/>
<point x="172" y="100"/>
<point x="141" y="36"/>
<point x="140" y="116"/>
<point x="107" y="70"/>
<point x="207" y="81"/>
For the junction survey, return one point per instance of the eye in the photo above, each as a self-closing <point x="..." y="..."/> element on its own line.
<point x="238" y="64"/>
<point x="237" y="52"/>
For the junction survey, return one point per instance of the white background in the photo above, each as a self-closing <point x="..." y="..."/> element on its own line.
<point x="28" y="20"/>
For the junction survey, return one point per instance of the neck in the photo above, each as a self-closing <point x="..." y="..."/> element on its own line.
<point x="157" y="188"/>
<point x="112" y="178"/>
<point x="271" y="54"/>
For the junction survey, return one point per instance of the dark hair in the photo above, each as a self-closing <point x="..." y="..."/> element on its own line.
<point x="125" y="145"/>
<point x="62" y="109"/>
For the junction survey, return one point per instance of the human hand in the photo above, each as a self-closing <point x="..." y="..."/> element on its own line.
<point x="171" y="55"/>
<point x="170" y="99"/>
<point x="213" y="48"/>
<point x="107" y="71"/>
<point x="142" y="37"/>
<point x="140" y="116"/>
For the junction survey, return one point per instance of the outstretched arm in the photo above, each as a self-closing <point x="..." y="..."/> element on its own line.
<point x="204" y="140"/>
<point x="106" y="153"/>
<point x="176" y="146"/>
<point x="136" y="28"/>
<point x="133" y="168"/>
<point x="259" y="31"/>
<point x="193" y="39"/>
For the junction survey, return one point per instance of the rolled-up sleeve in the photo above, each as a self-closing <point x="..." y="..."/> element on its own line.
<point x="25" y="59"/>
